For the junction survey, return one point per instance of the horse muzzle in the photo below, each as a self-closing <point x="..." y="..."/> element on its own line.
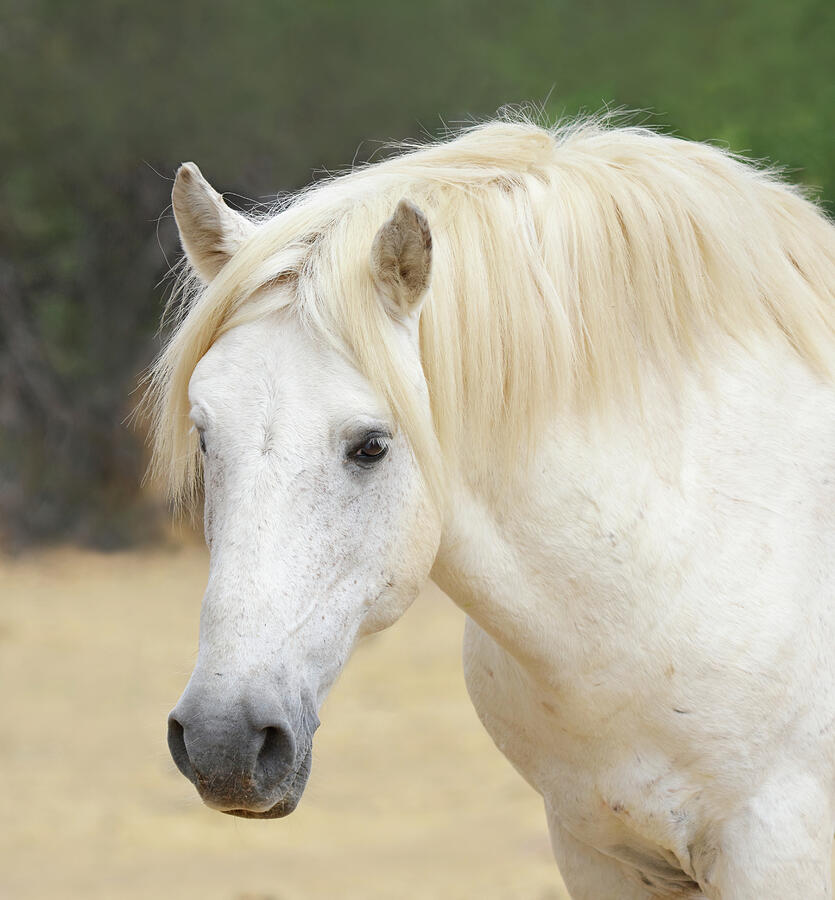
<point x="245" y="759"/>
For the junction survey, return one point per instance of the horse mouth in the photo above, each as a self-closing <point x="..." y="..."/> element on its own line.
<point x="279" y="811"/>
<point x="295" y="786"/>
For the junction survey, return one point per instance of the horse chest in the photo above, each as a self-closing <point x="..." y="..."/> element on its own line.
<point x="628" y="804"/>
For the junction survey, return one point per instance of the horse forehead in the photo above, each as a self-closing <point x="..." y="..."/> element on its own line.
<point x="276" y="363"/>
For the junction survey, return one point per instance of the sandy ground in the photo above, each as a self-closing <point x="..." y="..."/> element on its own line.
<point x="408" y="797"/>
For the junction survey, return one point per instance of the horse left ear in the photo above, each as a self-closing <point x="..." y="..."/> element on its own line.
<point x="210" y="231"/>
<point x="401" y="259"/>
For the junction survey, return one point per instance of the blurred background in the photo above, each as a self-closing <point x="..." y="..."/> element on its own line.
<point x="100" y="100"/>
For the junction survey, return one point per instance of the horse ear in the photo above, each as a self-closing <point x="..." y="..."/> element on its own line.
<point x="401" y="259"/>
<point x="210" y="231"/>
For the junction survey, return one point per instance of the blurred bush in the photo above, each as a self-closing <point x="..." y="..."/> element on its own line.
<point x="101" y="99"/>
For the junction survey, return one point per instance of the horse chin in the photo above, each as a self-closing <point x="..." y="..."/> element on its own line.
<point x="289" y="799"/>
<point x="281" y="809"/>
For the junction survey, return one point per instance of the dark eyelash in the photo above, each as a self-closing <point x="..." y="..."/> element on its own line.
<point x="363" y="452"/>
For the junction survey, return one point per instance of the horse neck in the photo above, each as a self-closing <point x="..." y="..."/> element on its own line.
<point x="517" y="563"/>
<point x="615" y="518"/>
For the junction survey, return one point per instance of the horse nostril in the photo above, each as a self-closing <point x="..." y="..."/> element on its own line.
<point x="177" y="746"/>
<point x="276" y="756"/>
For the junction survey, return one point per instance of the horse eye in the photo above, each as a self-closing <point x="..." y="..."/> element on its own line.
<point x="202" y="442"/>
<point x="373" y="449"/>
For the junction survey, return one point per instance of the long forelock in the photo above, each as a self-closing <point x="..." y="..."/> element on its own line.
<point x="563" y="260"/>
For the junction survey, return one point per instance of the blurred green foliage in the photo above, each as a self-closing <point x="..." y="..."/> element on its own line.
<point x="101" y="99"/>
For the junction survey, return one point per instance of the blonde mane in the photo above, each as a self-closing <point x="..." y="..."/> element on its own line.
<point x="562" y="259"/>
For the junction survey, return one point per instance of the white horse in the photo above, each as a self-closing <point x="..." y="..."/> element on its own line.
<point x="606" y="429"/>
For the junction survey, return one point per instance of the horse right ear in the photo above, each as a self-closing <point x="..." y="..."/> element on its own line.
<point x="401" y="259"/>
<point x="210" y="231"/>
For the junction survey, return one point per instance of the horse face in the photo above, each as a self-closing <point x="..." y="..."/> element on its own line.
<point x="320" y="530"/>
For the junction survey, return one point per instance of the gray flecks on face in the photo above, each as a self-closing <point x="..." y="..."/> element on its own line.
<point x="320" y="531"/>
